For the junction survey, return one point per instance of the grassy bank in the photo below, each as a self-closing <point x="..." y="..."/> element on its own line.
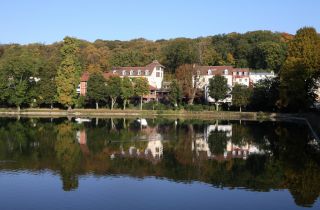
<point x="134" y="113"/>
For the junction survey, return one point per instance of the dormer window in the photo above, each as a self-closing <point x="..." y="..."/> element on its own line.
<point x="146" y="72"/>
<point x="158" y="68"/>
<point x="131" y="72"/>
<point x="124" y="72"/>
<point x="226" y="72"/>
<point x="209" y="72"/>
<point x="139" y="72"/>
<point x="114" y="72"/>
<point x="198" y="73"/>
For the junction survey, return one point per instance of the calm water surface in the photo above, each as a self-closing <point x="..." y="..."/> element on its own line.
<point x="157" y="164"/>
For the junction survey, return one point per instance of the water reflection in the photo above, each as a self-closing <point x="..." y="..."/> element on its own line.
<point x="226" y="154"/>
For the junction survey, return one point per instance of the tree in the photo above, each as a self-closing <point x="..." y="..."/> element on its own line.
<point x="141" y="88"/>
<point x="188" y="76"/>
<point x="179" y="52"/>
<point x="127" y="90"/>
<point x="45" y="88"/>
<point x="240" y="96"/>
<point x="301" y="70"/>
<point x="68" y="74"/>
<point x="306" y="47"/>
<point x="269" y="55"/>
<point x="114" y="89"/>
<point x="18" y="68"/>
<point x="96" y="88"/>
<point x="218" y="89"/>
<point x="265" y="94"/>
<point x="175" y="95"/>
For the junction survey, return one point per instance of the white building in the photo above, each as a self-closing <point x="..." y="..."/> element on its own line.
<point x="233" y="76"/>
<point x="257" y="76"/>
<point x="153" y="72"/>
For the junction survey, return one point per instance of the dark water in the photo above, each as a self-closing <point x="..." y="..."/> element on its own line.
<point x="157" y="164"/>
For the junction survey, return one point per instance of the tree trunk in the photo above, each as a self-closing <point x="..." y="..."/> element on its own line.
<point x="240" y="109"/>
<point x="18" y="108"/>
<point x="141" y="102"/>
<point x="112" y="102"/>
<point x="51" y="106"/>
<point x="124" y="103"/>
<point x="69" y="108"/>
<point x="190" y="101"/>
<point x="97" y="105"/>
<point x="217" y="106"/>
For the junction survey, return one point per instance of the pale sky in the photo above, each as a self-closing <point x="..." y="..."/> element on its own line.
<point x="44" y="21"/>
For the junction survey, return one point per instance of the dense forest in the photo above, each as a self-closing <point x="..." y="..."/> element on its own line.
<point x="60" y="65"/>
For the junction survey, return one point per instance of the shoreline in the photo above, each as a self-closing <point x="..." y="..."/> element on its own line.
<point x="134" y="113"/>
<point x="307" y="118"/>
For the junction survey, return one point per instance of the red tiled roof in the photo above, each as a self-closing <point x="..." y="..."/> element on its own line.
<point x="152" y="87"/>
<point x="86" y="75"/>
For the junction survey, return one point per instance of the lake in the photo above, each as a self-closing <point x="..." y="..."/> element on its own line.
<point x="120" y="163"/>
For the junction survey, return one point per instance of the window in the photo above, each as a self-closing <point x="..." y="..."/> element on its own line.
<point x="114" y="72"/>
<point x="146" y="72"/>
<point x="124" y="72"/>
<point x="240" y="80"/>
<point x="139" y="72"/>
<point x="209" y="72"/>
<point x="158" y="74"/>
<point x="226" y="72"/>
<point x="198" y="73"/>
<point x="245" y="73"/>
<point x="234" y="73"/>
<point x="158" y="68"/>
<point x="131" y="72"/>
<point x="239" y="73"/>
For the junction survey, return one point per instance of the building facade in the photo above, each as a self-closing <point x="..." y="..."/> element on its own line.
<point x="232" y="75"/>
<point x="153" y="72"/>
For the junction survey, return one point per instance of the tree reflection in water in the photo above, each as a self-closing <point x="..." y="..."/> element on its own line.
<point x="228" y="154"/>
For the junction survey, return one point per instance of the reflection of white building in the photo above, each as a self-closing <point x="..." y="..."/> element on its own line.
<point x="236" y="151"/>
<point x="201" y="145"/>
<point x="155" y="148"/>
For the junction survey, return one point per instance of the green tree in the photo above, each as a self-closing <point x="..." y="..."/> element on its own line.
<point x="141" y="88"/>
<point x="218" y="89"/>
<point x="240" y="96"/>
<point x="127" y="90"/>
<point x="175" y="95"/>
<point x="68" y="74"/>
<point x="269" y="55"/>
<point x="114" y="89"/>
<point x="18" y="68"/>
<point x="96" y="88"/>
<point x="265" y="95"/>
<point x="179" y="52"/>
<point x="300" y="71"/>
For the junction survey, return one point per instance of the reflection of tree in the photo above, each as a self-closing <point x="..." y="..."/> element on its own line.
<point x="217" y="141"/>
<point x="304" y="184"/>
<point x="240" y="134"/>
<point x="68" y="154"/>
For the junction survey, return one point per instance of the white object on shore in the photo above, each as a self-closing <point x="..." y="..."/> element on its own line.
<point x="81" y="120"/>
